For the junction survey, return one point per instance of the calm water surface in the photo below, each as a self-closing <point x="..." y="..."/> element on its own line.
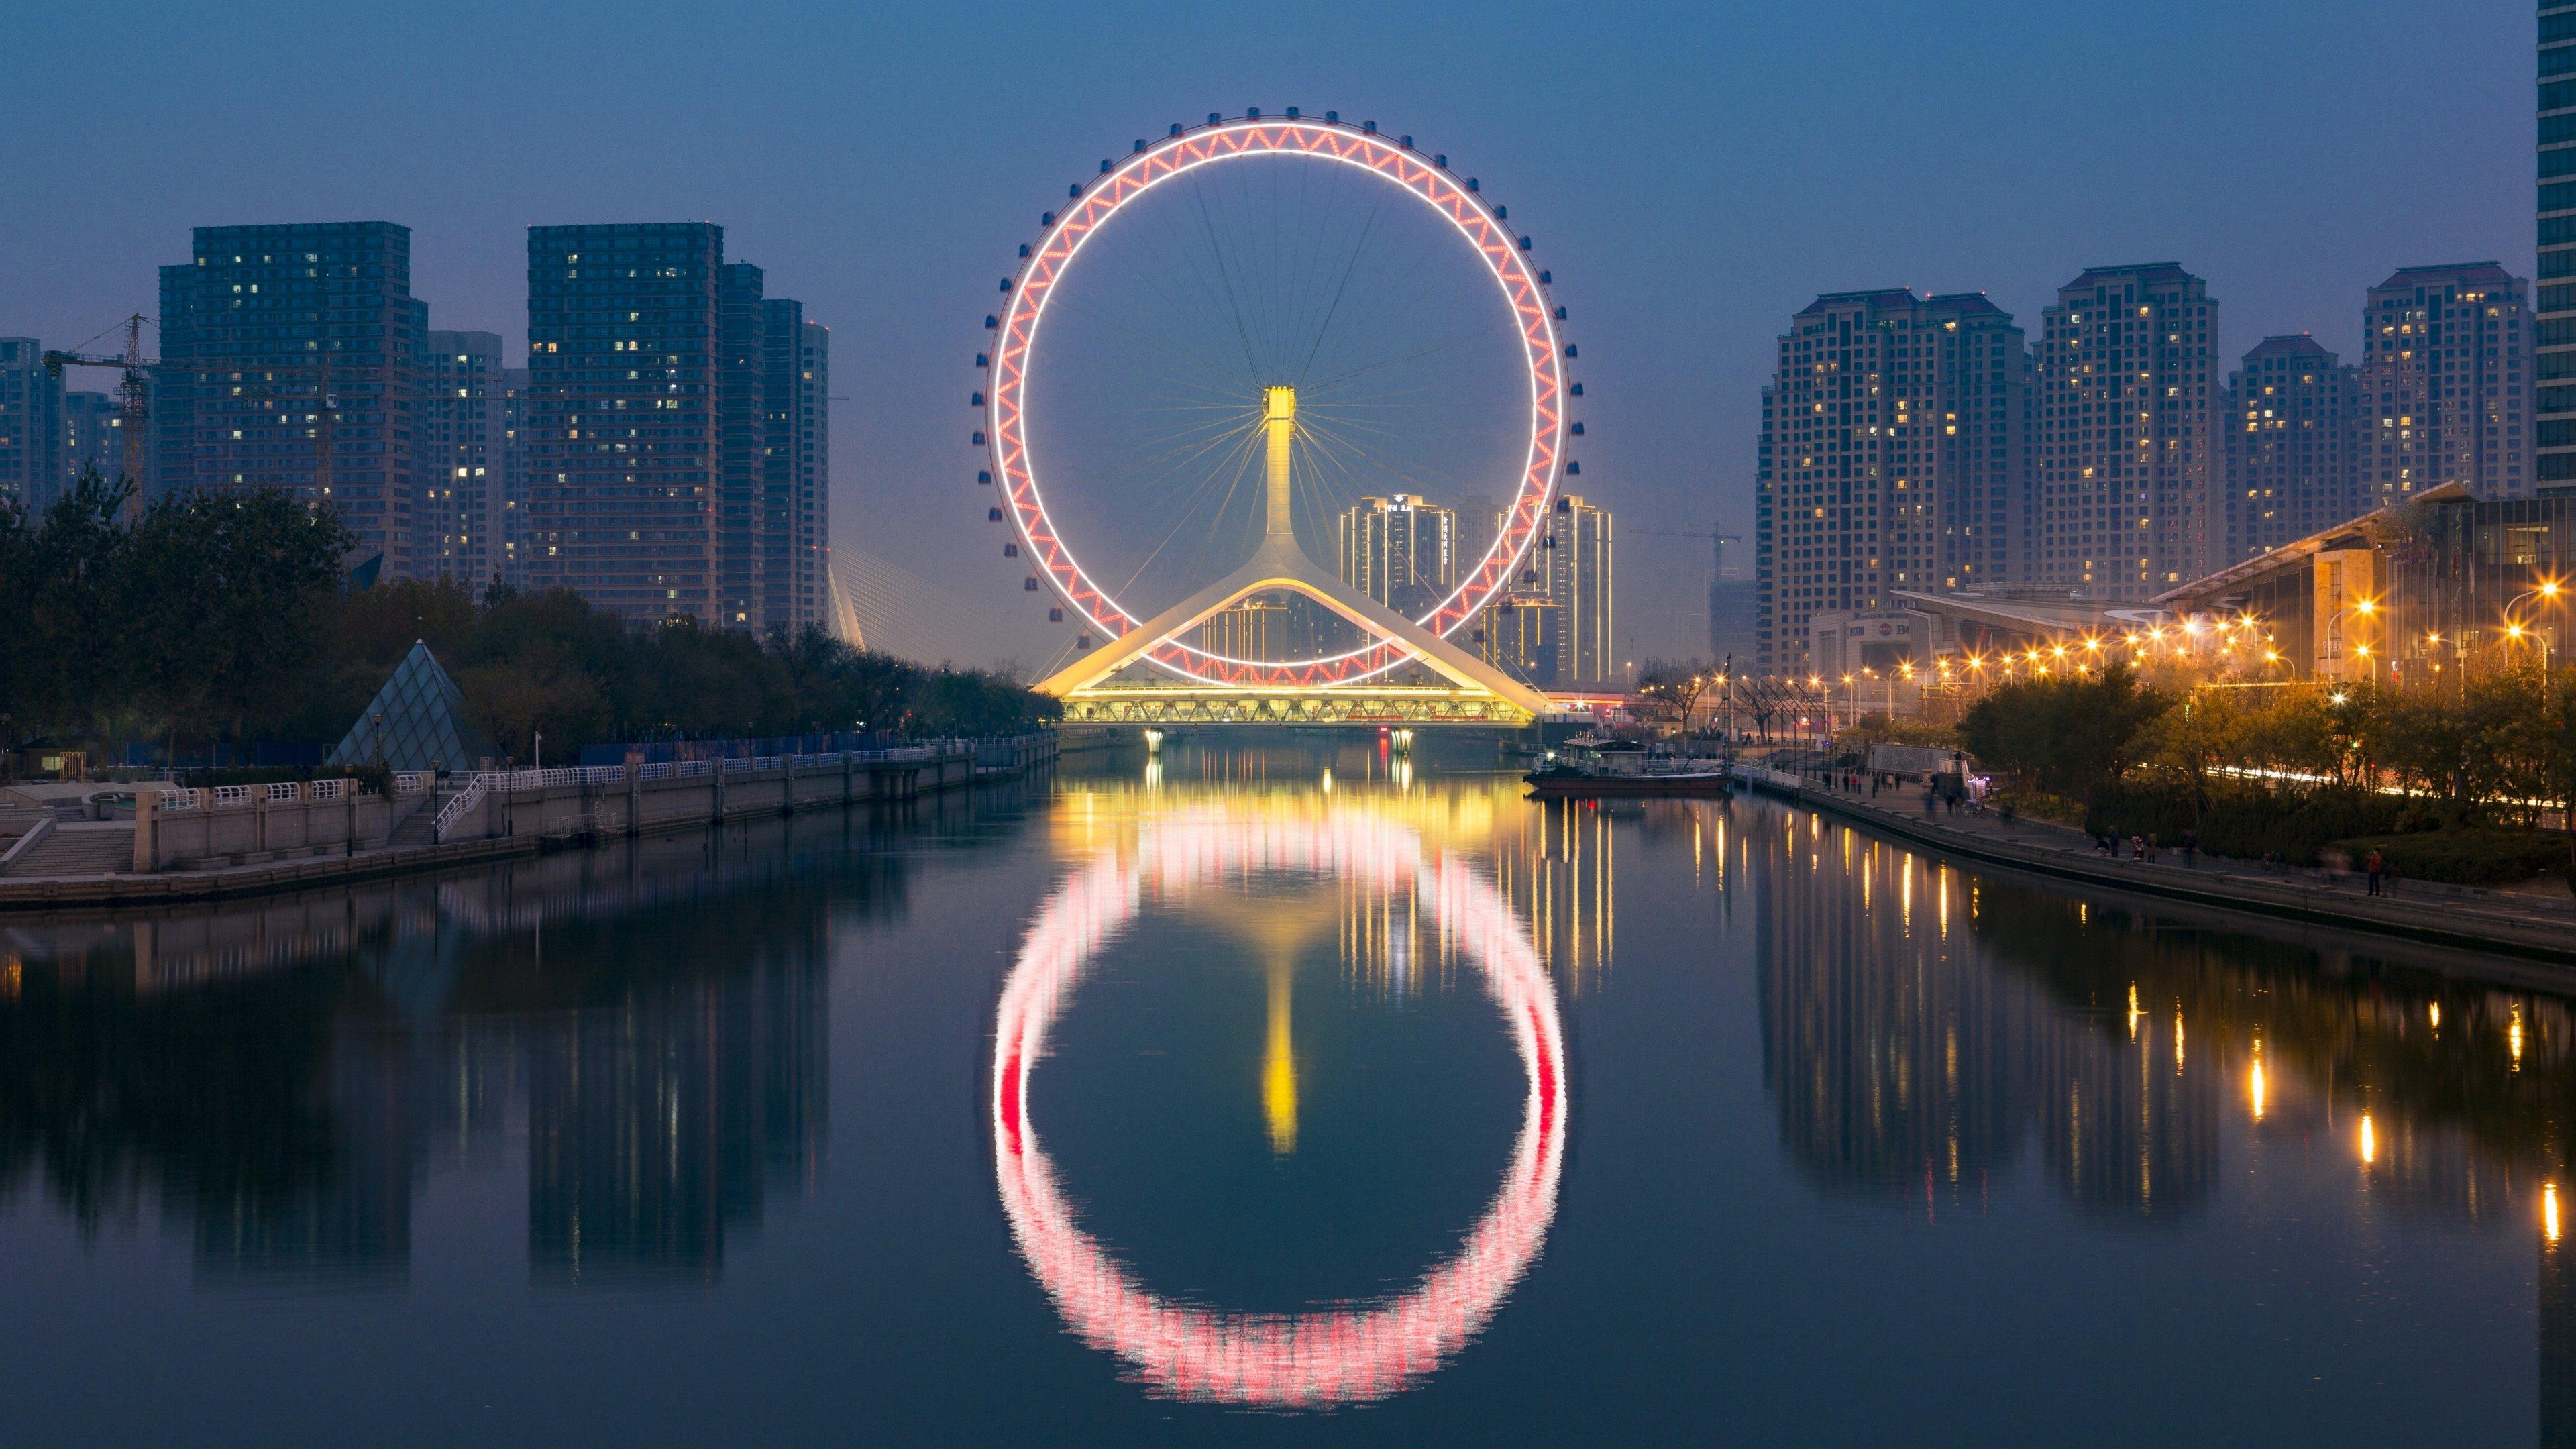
<point x="1270" y="1094"/>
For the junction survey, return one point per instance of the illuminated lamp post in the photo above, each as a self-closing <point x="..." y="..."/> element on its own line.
<point x="2513" y="627"/>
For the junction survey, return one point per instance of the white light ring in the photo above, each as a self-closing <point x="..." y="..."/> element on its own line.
<point x="1273" y="1360"/>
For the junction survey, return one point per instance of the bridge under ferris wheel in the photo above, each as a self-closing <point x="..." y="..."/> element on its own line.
<point x="1460" y="688"/>
<point x="1175" y="667"/>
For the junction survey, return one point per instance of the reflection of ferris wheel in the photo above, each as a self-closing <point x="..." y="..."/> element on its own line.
<point x="1244" y="413"/>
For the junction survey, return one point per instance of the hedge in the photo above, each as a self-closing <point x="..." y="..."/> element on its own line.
<point x="2474" y="855"/>
<point x="2249" y="822"/>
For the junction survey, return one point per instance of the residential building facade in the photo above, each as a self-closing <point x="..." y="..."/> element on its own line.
<point x="2554" y="406"/>
<point x="464" y="443"/>
<point x="624" y="417"/>
<point x="512" y="562"/>
<point x="2446" y="383"/>
<point x="794" y="544"/>
<point x="31" y="426"/>
<point x="1401" y="551"/>
<point x="2293" y="412"/>
<point x="93" y="436"/>
<point x="2125" y="421"/>
<point x="291" y="359"/>
<point x="1894" y="455"/>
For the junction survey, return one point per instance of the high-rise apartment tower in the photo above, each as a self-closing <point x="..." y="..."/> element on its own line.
<point x="291" y="359"/>
<point x="2126" y="434"/>
<point x="2446" y="383"/>
<point x="2292" y="414"/>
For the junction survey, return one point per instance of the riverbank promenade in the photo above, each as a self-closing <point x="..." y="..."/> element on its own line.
<point x="2525" y="924"/>
<point x="216" y="842"/>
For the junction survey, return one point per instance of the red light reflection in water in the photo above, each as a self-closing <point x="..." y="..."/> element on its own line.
<point x="1323" y="1356"/>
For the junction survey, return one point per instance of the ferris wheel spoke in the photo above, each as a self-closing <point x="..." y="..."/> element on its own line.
<point x="1346" y="379"/>
<point x="1250" y="360"/>
<point x="1370" y="456"/>
<point x="1243" y="463"/>
<point x="1200" y="364"/>
<point x="1350" y="266"/>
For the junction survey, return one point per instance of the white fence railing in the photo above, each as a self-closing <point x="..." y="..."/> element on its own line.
<point x="476" y="785"/>
<point x="457" y="806"/>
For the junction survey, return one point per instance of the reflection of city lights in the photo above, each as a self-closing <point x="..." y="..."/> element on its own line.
<point x="2254" y="1079"/>
<point x="2513" y="1036"/>
<point x="2436" y="1009"/>
<point x="2549" y="1211"/>
<point x="2177" y="1040"/>
<point x="2369" y="1141"/>
<point x="2134" y="1012"/>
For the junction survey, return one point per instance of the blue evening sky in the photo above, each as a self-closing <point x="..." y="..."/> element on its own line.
<point x="1693" y="174"/>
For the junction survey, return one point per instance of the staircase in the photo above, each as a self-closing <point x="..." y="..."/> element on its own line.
<point x="417" y="829"/>
<point x="81" y="849"/>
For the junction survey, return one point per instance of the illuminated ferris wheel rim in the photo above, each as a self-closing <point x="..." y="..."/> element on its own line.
<point x="1184" y="151"/>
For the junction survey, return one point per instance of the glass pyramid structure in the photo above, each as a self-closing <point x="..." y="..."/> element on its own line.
<point x="416" y="722"/>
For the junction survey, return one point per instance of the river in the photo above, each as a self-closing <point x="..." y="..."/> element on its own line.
<point x="1271" y="1092"/>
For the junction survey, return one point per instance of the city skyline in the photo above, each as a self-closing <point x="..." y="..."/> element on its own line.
<point x="837" y="174"/>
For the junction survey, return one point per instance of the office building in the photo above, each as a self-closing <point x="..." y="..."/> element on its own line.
<point x="624" y="419"/>
<point x="464" y="423"/>
<point x="1893" y="456"/>
<point x="93" y="436"/>
<point x="2446" y="383"/>
<point x="2126" y="434"/>
<point x="292" y="360"/>
<point x="31" y="426"/>
<point x="2554" y="407"/>
<point x="2453" y="582"/>
<point x="1401" y="551"/>
<point x="2292" y="414"/>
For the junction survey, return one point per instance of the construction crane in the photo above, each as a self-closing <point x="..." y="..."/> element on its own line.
<point x="134" y="395"/>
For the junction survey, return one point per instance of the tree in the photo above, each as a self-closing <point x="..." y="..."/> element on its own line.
<point x="2072" y="737"/>
<point x="1667" y="691"/>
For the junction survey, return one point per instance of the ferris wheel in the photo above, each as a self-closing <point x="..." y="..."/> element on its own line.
<point x="1256" y="296"/>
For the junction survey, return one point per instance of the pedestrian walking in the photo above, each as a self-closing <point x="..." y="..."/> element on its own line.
<point x="2151" y="847"/>
<point x="2137" y="847"/>
<point x="2371" y="865"/>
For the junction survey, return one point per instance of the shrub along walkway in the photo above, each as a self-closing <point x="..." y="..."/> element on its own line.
<point x="2481" y="919"/>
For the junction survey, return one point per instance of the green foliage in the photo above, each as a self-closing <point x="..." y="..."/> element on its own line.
<point x="1878" y="729"/>
<point x="199" y="617"/>
<point x="2246" y="819"/>
<point x="2065" y="736"/>
<point x="2473" y="855"/>
<point x="219" y="617"/>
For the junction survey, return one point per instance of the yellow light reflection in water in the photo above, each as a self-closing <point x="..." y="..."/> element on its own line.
<point x="2549" y="1211"/>
<point x="2369" y="1141"/>
<point x="2513" y="1036"/>
<point x="2254" y="1087"/>
<point x="2436" y="1009"/>
<point x="1279" y="1064"/>
<point x="2134" y="1012"/>
<point x="2177" y="1040"/>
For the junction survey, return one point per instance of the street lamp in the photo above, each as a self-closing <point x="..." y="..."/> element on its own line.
<point x="2513" y="628"/>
